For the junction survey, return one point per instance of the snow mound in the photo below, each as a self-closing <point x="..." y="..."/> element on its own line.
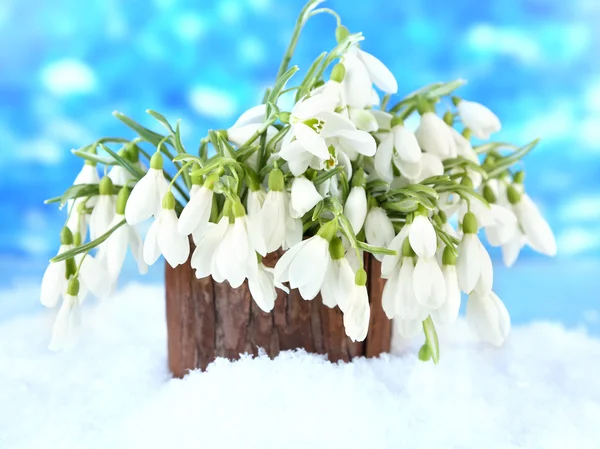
<point x="541" y="390"/>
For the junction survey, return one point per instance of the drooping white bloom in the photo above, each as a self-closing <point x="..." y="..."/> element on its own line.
<point x="147" y="195"/>
<point x="357" y="314"/>
<point x="537" y="231"/>
<point x="478" y="118"/>
<point x="429" y="283"/>
<point x="251" y="121"/>
<point x="112" y="252"/>
<point x="474" y="265"/>
<point x="67" y="325"/>
<point x="104" y="210"/>
<point x="196" y="213"/>
<point x="234" y="258"/>
<point x="339" y="279"/>
<point x="164" y="238"/>
<point x="502" y="225"/>
<point x="254" y="205"/>
<point x="93" y="277"/>
<point x="422" y="237"/>
<point x="206" y="247"/>
<point x="379" y="230"/>
<point x="362" y="71"/>
<point x="304" y="196"/>
<point x="262" y="288"/>
<point x="305" y="264"/>
<point x="434" y="136"/>
<point x="54" y="281"/>
<point x="355" y="208"/>
<point x="488" y="318"/>
<point x="448" y="312"/>
<point x="401" y="147"/>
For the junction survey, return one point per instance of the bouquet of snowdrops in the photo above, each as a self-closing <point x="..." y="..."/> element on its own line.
<point x="336" y="174"/>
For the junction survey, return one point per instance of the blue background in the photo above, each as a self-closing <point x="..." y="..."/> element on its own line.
<point x="66" y="65"/>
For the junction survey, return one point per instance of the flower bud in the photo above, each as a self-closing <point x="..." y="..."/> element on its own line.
<point x="469" y="223"/>
<point x="73" y="287"/>
<point x="106" y="186"/>
<point x="341" y="33"/>
<point x="360" y="278"/>
<point x="424" y="353"/>
<point x="338" y="73"/>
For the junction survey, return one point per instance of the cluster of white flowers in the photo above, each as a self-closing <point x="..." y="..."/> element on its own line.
<point x="339" y="174"/>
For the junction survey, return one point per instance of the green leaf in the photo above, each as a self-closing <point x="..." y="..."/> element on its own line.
<point x="303" y="90"/>
<point x="345" y="185"/>
<point x="347" y="230"/>
<point x="492" y="146"/>
<point x="318" y="210"/>
<point x="187" y="157"/>
<point x="506" y="162"/>
<point x="88" y="246"/>
<point x="320" y="179"/>
<point x="431" y="339"/>
<point x="376" y="249"/>
<point x="426" y="190"/>
<point x="136" y="172"/>
<point x="161" y="119"/>
<point x="445" y="89"/>
<point x="406" y="205"/>
<point x="93" y="157"/>
<point x="281" y="83"/>
<point x="143" y="132"/>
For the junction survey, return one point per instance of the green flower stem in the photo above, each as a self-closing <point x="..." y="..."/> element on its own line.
<point x="326" y="11"/>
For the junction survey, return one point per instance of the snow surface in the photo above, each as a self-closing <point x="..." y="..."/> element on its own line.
<point x="541" y="390"/>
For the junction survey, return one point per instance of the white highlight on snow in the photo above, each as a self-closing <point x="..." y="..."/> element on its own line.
<point x="68" y="76"/>
<point x="212" y="102"/>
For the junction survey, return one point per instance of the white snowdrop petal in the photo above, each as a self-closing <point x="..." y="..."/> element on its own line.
<point x="95" y="277"/>
<point x="273" y="220"/>
<point x="390" y="263"/>
<point x="282" y="267"/>
<point x="196" y="212"/>
<point x="434" y="135"/>
<point x="468" y="262"/>
<point x="381" y="76"/>
<point x="448" y="312"/>
<point x="357" y="141"/>
<point x="383" y="158"/>
<point x="330" y="284"/>
<point x="206" y="247"/>
<point x="364" y="120"/>
<point x="478" y="118"/>
<point x="355" y="208"/>
<point x="262" y="289"/>
<point x="488" y="318"/>
<point x="116" y="249"/>
<point x="53" y="284"/>
<point x="310" y="263"/>
<point x="539" y="234"/>
<point x="137" y="249"/>
<point x="304" y="196"/>
<point x="388" y="297"/>
<point x="143" y="198"/>
<point x="102" y="216"/>
<point x="151" y="249"/>
<point x="311" y="106"/>
<point x="345" y="284"/>
<point x="486" y="279"/>
<point x="357" y="82"/>
<point x="431" y="165"/>
<point x="379" y="230"/>
<point x="255" y="114"/>
<point x="65" y="333"/>
<point x="422" y="237"/>
<point x="512" y="248"/>
<point x="174" y="246"/>
<point x="406" y="145"/>
<point x="422" y="282"/>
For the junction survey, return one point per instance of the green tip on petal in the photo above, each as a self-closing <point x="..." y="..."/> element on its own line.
<point x="328" y="230"/>
<point x="424" y="353"/>
<point x="449" y="118"/>
<point x="66" y="236"/>
<point x="469" y="224"/>
<point x="513" y="194"/>
<point x="489" y="195"/>
<point x="276" y="180"/>
<point x="407" y="250"/>
<point x="156" y="161"/>
<point x="73" y="287"/>
<point x="168" y="201"/>
<point x="122" y="200"/>
<point x="448" y="257"/>
<point x="238" y="210"/>
<point x="338" y="73"/>
<point x="341" y="33"/>
<point x="106" y="186"/>
<point x="359" y="179"/>
<point x="519" y="177"/>
<point x="467" y="181"/>
<point x="336" y="248"/>
<point x="284" y="117"/>
<point x="360" y="278"/>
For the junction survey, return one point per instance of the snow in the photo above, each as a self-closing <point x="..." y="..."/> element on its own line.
<point x="541" y="390"/>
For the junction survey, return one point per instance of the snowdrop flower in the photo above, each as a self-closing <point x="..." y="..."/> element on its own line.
<point x="67" y="325"/>
<point x="163" y="236"/>
<point x="304" y="196"/>
<point x="479" y="119"/>
<point x="112" y="252"/>
<point x="538" y="233"/>
<point x="77" y="220"/>
<point x="305" y="264"/>
<point x="408" y="329"/>
<point x="434" y="136"/>
<point x="379" y="230"/>
<point x="400" y="146"/>
<point x="474" y="266"/>
<point x="196" y="213"/>
<point x="148" y="193"/>
<point x="57" y="274"/>
<point x="118" y="174"/>
<point x="339" y="280"/>
<point x="448" y="312"/>
<point x="422" y="236"/>
<point x="234" y="258"/>
<point x="501" y="223"/>
<point x="488" y="318"/>
<point x="248" y="124"/>
<point x="207" y="246"/>
<point x="254" y="204"/>
<point x="262" y="288"/>
<point x="355" y="208"/>
<point x="358" y="311"/>
<point x="104" y="210"/>
<point x="274" y="213"/>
